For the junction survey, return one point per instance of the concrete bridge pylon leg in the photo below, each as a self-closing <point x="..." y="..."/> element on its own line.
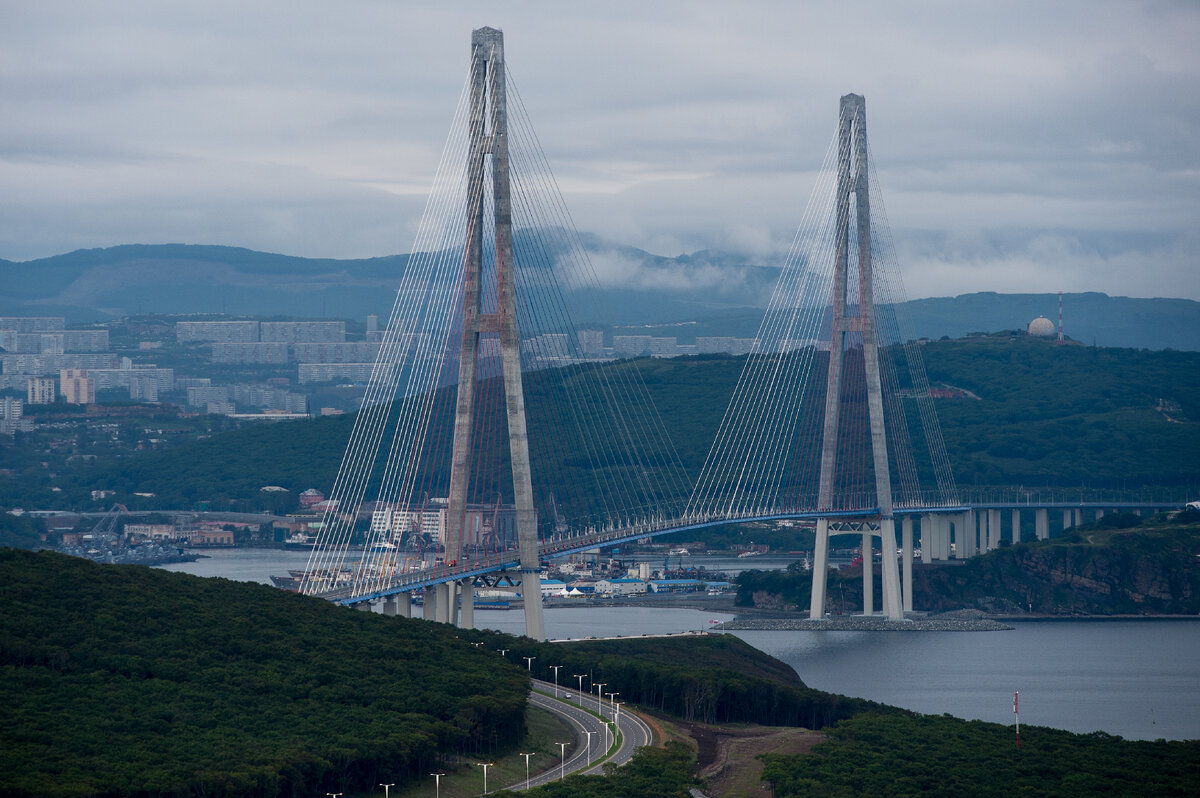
<point x="816" y="609"/>
<point x="1041" y="523"/>
<point x="1016" y="527"/>
<point x="892" y="604"/>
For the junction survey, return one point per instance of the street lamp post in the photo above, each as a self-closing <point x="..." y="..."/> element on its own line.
<point x="562" y="765"/>
<point x="579" y="677"/>
<point x="589" y="746"/>
<point x="504" y="652"/>
<point x="485" y="766"/>
<point x="526" y="767"/>
<point x="555" y="669"/>
<point x="599" y="695"/>
<point x="617" y="713"/>
<point x="437" y="784"/>
<point x="529" y="663"/>
<point x="612" y="702"/>
<point x="387" y="789"/>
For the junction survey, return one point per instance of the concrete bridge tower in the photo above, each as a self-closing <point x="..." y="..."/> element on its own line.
<point x="853" y="178"/>
<point x="488" y="130"/>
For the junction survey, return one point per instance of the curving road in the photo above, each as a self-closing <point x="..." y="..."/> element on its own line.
<point x="635" y="733"/>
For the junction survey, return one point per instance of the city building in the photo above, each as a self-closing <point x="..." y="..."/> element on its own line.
<point x="591" y="343"/>
<point x="224" y="331"/>
<point x="331" y="372"/>
<point x="291" y="332"/>
<point x="40" y="391"/>
<point x="346" y="352"/>
<point x="77" y="387"/>
<point x="32" y="324"/>
<point x="42" y="365"/>
<point x="249" y="352"/>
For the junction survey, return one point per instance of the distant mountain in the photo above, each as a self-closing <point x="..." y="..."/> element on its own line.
<point x="705" y="293"/>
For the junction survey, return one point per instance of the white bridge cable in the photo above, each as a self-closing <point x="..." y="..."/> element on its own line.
<point x="906" y="338"/>
<point x="627" y="411"/>
<point x="749" y="416"/>
<point x="426" y="385"/>
<point x="327" y="559"/>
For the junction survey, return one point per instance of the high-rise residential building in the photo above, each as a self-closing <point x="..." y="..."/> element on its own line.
<point x="77" y="387"/>
<point x="40" y="391"/>
<point x="32" y="324"/>
<point x="348" y="352"/>
<point x="329" y="372"/>
<point x="224" y="331"/>
<point x="591" y="343"/>
<point x="291" y="332"/>
<point x="251" y="352"/>
<point x="372" y="322"/>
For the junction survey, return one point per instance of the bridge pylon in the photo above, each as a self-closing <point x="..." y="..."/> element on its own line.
<point x="488" y="131"/>
<point x="853" y="180"/>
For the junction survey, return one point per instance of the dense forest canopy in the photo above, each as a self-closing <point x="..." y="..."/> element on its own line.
<point x="124" y="680"/>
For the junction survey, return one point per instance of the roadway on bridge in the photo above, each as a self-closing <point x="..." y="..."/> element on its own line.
<point x="635" y="733"/>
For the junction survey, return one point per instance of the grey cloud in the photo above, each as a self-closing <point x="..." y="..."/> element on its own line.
<point x="310" y="129"/>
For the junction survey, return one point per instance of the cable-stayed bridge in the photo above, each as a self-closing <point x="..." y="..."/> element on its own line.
<point x="487" y="440"/>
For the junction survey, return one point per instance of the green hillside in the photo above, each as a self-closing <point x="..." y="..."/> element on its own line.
<point x="919" y="755"/>
<point x="121" y="680"/>
<point x="1036" y="415"/>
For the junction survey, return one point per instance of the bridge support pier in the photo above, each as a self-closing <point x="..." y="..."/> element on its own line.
<point x="906" y="554"/>
<point x="868" y="573"/>
<point x="429" y="608"/>
<point x="966" y="523"/>
<point x="447" y="608"/>
<point x="943" y="525"/>
<point x="1067" y="516"/>
<point x="389" y="606"/>
<point x="927" y="538"/>
<point x="363" y="606"/>
<point x="467" y="617"/>
<point x="1041" y="523"/>
<point x="892" y="603"/>
<point x="1078" y="517"/>
<point x="993" y="529"/>
<point x="1016" y="527"/>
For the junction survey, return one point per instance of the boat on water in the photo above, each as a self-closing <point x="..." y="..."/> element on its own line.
<point x="681" y="552"/>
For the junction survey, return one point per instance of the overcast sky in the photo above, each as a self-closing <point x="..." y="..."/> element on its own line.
<point x="1020" y="146"/>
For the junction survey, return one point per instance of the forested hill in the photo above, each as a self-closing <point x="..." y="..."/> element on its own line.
<point x="122" y="680"/>
<point x="1031" y="413"/>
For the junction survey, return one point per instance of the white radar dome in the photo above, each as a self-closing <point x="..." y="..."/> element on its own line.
<point x="1041" y="326"/>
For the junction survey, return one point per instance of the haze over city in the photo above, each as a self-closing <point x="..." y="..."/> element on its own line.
<point x="1020" y="147"/>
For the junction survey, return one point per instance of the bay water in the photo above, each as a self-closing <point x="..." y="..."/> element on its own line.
<point x="1139" y="679"/>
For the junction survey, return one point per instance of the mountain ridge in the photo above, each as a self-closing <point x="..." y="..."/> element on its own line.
<point x="725" y="291"/>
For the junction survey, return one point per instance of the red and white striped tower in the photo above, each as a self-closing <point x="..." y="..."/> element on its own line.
<point x="1060" y="335"/>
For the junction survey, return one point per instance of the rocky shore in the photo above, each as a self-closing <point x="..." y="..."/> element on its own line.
<point x="960" y="621"/>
